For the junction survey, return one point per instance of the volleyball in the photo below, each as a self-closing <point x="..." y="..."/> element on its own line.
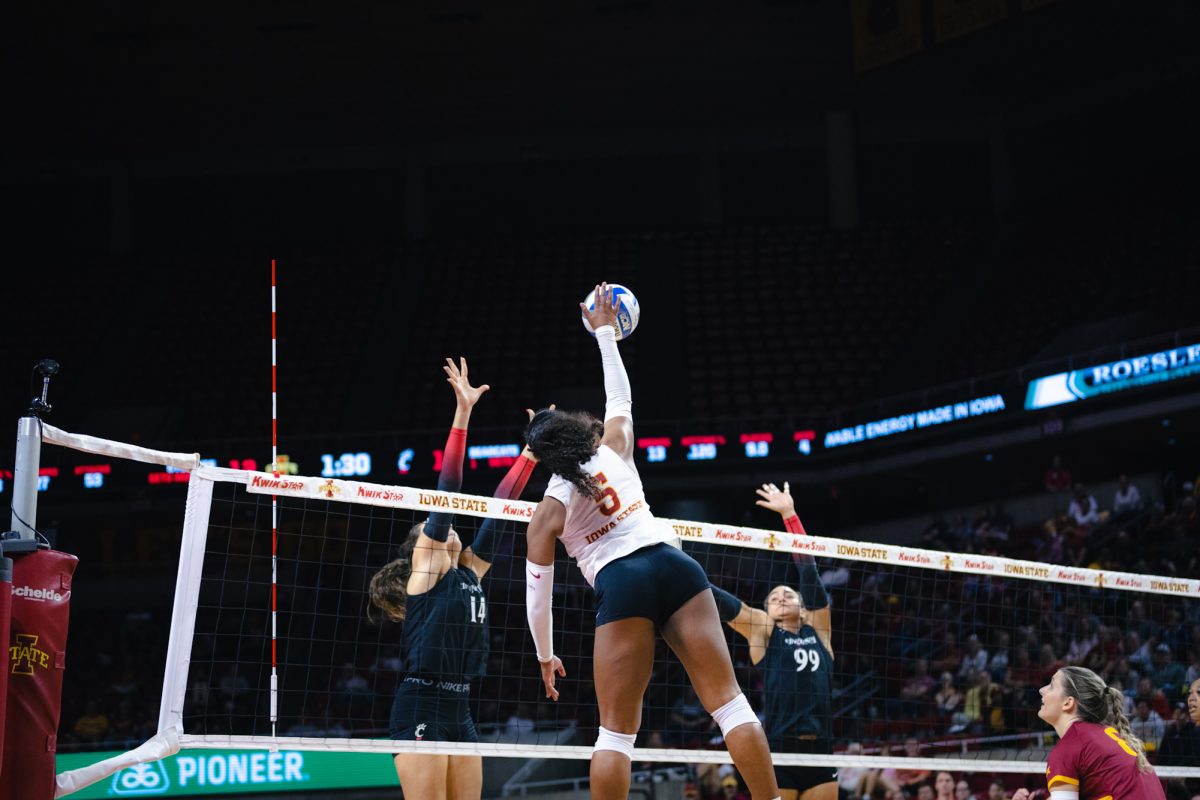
<point x="628" y="310"/>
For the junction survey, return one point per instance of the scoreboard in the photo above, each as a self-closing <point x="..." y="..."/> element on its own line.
<point x="417" y="457"/>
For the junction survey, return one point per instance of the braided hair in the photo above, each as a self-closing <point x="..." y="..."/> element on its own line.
<point x="1102" y="704"/>
<point x="563" y="441"/>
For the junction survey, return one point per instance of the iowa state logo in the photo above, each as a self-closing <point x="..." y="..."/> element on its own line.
<point x="25" y="655"/>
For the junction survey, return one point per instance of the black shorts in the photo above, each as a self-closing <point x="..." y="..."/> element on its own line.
<point x="432" y="710"/>
<point x="802" y="779"/>
<point x="652" y="582"/>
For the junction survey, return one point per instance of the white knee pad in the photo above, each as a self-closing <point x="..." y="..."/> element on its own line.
<point x="617" y="742"/>
<point x="735" y="713"/>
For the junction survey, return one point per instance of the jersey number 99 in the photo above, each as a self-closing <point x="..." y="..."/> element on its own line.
<point x="807" y="659"/>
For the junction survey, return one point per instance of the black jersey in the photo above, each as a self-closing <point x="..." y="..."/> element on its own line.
<point x="797" y="685"/>
<point x="445" y="629"/>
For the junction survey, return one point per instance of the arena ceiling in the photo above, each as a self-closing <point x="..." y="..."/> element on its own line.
<point x="139" y="77"/>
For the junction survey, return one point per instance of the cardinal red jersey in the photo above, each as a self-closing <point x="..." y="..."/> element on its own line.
<point x="1096" y="761"/>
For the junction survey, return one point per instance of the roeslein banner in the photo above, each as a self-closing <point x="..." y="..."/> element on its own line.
<point x="1115" y="376"/>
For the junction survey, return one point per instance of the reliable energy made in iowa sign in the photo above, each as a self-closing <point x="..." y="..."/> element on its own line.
<point x="192" y="773"/>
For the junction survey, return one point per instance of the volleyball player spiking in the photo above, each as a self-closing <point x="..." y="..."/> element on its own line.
<point x="596" y="505"/>
<point x="433" y="587"/>
<point x="1097" y="755"/>
<point x="791" y="642"/>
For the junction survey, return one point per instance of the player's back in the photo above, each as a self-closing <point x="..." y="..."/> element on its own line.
<point x="445" y="630"/>
<point x="618" y="522"/>
<point x="1101" y="764"/>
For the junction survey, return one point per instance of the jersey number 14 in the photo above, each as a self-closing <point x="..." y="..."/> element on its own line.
<point x="478" y="609"/>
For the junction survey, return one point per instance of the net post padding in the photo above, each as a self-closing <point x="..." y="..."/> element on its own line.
<point x="41" y="606"/>
<point x="6" y="597"/>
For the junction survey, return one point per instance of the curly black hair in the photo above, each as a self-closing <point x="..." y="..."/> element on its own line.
<point x="563" y="441"/>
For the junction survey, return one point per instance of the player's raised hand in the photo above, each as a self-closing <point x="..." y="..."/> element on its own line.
<point x="776" y="500"/>
<point x="604" y="311"/>
<point x="466" y="394"/>
<point x="525" y="451"/>
<point x="533" y="413"/>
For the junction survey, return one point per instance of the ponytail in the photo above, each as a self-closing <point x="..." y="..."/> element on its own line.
<point x="1103" y="705"/>
<point x="562" y="442"/>
<point x="1118" y="720"/>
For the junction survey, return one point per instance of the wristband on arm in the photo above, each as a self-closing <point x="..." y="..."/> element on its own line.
<point x="539" y="590"/>
<point x="437" y="527"/>
<point x="487" y="539"/>
<point x="812" y="591"/>
<point x="794" y="525"/>
<point x="618" y="395"/>
<point x="514" y="480"/>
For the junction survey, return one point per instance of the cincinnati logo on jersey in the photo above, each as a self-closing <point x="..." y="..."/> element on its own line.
<point x="419" y="733"/>
<point x="796" y="640"/>
<point x="25" y="655"/>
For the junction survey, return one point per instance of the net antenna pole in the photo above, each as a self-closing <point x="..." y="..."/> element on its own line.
<point x="274" y="515"/>
<point x="22" y="535"/>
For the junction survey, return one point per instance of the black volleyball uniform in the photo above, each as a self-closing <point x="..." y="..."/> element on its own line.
<point x="798" y="703"/>
<point x="445" y="647"/>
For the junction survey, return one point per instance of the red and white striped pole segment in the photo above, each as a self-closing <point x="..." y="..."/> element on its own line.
<point x="274" y="511"/>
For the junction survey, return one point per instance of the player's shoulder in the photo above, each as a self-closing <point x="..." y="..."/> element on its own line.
<point x="611" y="461"/>
<point x="606" y="453"/>
<point x="1071" y="742"/>
<point x="560" y="489"/>
<point x="1086" y="732"/>
<point x="1081" y="738"/>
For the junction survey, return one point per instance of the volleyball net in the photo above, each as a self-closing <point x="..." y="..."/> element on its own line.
<point x="945" y="648"/>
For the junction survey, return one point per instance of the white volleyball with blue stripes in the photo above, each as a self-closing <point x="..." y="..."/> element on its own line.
<point x="628" y="310"/>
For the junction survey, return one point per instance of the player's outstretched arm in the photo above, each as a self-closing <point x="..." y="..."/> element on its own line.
<point x="618" y="407"/>
<point x="492" y="533"/>
<point x="430" y="555"/>
<point x="752" y="624"/>
<point x="812" y="590"/>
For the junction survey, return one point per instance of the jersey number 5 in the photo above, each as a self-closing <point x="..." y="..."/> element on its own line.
<point x="1112" y="734"/>
<point x="609" y="500"/>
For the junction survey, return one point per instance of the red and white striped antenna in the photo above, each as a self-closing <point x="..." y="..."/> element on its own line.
<point x="274" y="511"/>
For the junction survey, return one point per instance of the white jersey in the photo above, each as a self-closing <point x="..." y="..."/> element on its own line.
<point x="598" y="532"/>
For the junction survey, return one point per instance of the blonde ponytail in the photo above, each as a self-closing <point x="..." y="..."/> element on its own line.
<point x="1103" y="705"/>
<point x="1118" y="720"/>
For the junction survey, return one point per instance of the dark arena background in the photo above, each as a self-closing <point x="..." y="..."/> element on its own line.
<point x="935" y="263"/>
